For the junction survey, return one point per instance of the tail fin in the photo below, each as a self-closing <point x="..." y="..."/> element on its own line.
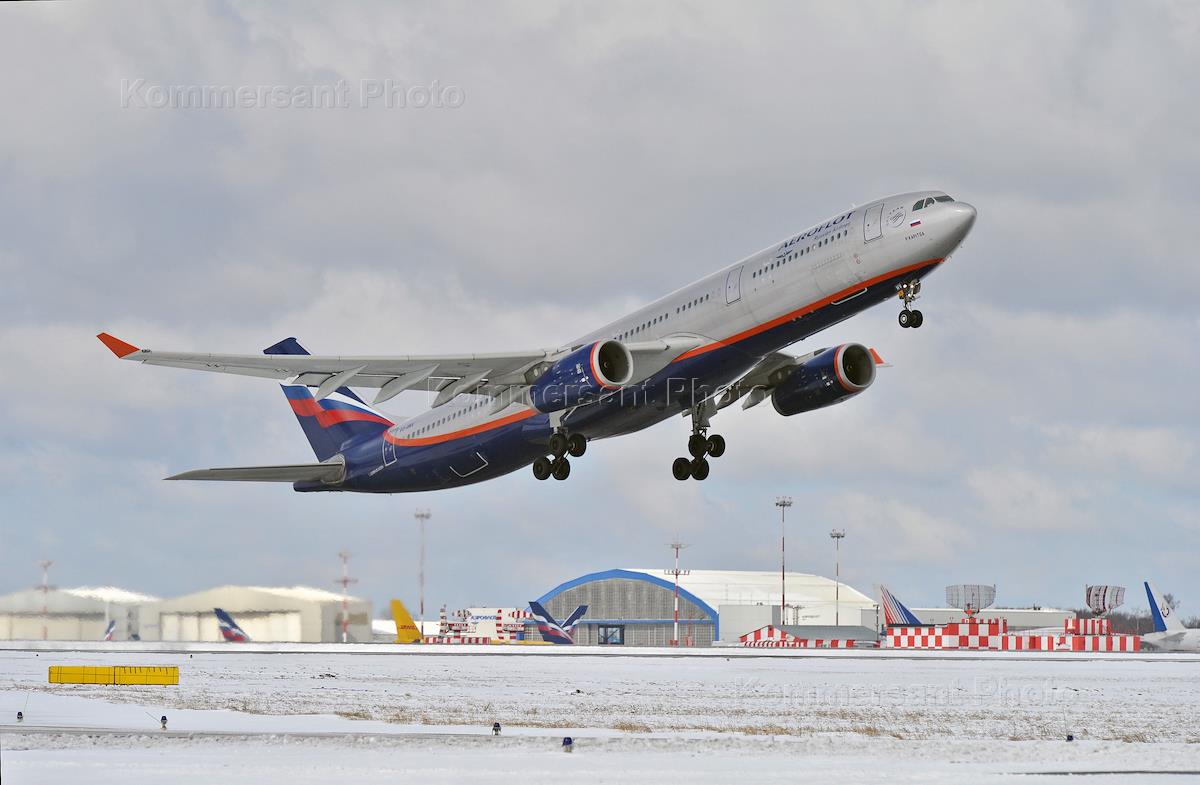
<point x="108" y="631"/>
<point x="1163" y="614"/>
<point x="230" y="630"/>
<point x="576" y="615"/>
<point x="894" y="612"/>
<point x="334" y="421"/>
<point x="406" y="628"/>
<point x="552" y="631"/>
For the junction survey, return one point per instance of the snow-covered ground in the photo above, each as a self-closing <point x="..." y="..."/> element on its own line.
<point x="311" y="717"/>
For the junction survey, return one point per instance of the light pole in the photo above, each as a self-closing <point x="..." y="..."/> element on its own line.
<point x="782" y="502"/>
<point x="677" y="546"/>
<point x="837" y="535"/>
<point x="346" y="581"/>
<point x="422" y="516"/>
<point x="46" y="597"/>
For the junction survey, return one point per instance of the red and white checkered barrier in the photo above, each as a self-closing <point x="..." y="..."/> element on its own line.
<point x="992" y="636"/>
<point x="457" y="639"/>
<point x="771" y="637"/>
<point x="1087" y="626"/>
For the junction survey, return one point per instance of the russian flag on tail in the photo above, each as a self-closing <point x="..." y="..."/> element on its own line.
<point x="894" y="612"/>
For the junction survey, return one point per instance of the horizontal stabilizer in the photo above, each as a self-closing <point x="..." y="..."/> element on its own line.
<point x="329" y="473"/>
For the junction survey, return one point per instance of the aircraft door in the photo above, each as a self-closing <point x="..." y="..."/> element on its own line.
<point x="389" y="453"/>
<point x="733" y="286"/>
<point x="873" y="223"/>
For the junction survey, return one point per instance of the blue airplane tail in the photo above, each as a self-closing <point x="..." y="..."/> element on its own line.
<point x="230" y="630"/>
<point x="551" y="630"/>
<point x="894" y="612"/>
<point x="1161" y="611"/>
<point x="334" y="421"/>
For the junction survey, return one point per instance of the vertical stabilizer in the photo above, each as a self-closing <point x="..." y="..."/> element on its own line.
<point x="1163" y="614"/>
<point x="894" y="612"/>
<point x="334" y="421"/>
<point x="406" y="628"/>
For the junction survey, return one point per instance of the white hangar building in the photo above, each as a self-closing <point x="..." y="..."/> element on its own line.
<point x="296" y="614"/>
<point x="80" y="614"/>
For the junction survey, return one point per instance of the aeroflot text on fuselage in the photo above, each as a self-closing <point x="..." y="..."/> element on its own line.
<point x="696" y="351"/>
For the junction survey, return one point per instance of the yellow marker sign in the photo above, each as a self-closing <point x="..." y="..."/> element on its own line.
<point x="114" y="674"/>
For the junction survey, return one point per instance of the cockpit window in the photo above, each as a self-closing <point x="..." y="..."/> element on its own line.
<point x="920" y="203"/>
<point x="943" y="199"/>
<point x="929" y="202"/>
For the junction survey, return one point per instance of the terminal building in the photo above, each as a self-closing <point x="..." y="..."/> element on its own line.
<point x="635" y="607"/>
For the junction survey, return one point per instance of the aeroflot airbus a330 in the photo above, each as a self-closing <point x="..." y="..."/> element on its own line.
<point x="693" y="352"/>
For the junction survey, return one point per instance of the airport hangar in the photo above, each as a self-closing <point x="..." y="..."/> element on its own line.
<point x="297" y="614"/>
<point x="69" y="614"/>
<point x="635" y="607"/>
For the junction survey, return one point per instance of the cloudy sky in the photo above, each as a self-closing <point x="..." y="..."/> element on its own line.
<point x="1039" y="432"/>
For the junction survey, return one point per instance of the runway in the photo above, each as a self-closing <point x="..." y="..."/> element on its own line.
<point x="699" y="716"/>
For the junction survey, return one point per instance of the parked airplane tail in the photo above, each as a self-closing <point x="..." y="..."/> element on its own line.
<point x="108" y="631"/>
<point x="406" y="628"/>
<point x="894" y="612"/>
<point x="1163" y="614"/>
<point x="551" y="630"/>
<point x="573" y="619"/>
<point x="230" y="630"/>
<point x="334" y="420"/>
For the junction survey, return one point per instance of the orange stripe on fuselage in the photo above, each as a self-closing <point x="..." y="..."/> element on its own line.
<point x="445" y="437"/>
<point x="787" y="317"/>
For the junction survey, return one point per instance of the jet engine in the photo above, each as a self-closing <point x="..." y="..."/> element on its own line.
<point x="828" y="377"/>
<point x="582" y="376"/>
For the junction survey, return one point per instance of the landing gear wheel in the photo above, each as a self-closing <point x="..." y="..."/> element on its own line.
<point x="557" y="444"/>
<point x="576" y="445"/>
<point x="699" y="469"/>
<point x="917" y="319"/>
<point x="682" y="469"/>
<point x="542" y="467"/>
<point x="716" y="446"/>
<point x="562" y="469"/>
<point x="905" y="318"/>
<point x="697" y="445"/>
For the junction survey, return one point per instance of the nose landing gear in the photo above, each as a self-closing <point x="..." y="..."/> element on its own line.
<point x="907" y="292"/>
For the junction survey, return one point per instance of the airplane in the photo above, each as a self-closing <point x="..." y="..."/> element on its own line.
<point x="894" y="612"/>
<point x="693" y="353"/>
<point x="552" y="631"/>
<point x="406" y="628"/>
<point x="109" y="630"/>
<point x="230" y="630"/>
<point x="1169" y="633"/>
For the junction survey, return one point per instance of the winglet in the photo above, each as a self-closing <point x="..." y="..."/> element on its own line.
<point x="116" y="345"/>
<point x="878" y="360"/>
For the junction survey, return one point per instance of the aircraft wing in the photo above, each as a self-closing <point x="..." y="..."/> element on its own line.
<point x="504" y="375"/>
<point x="447" y="374"/>
<point x="331" y="473"/>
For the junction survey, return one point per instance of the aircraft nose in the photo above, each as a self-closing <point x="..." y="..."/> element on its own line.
<point x="962" y="217"/>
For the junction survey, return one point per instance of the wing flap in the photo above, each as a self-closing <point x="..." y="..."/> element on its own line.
<point x="331" y="473"/>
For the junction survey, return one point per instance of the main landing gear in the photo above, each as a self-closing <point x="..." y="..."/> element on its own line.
<point x="907" y="292"/>
<point x="560" y="444"/>
<point x="700" y="444"/>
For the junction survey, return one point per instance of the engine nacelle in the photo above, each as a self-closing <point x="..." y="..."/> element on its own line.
<point x="582" y="376"/>
<point x="828" y="377"/>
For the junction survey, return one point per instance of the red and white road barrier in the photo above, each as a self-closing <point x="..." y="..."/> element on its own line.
<point x="1087" y="626"/>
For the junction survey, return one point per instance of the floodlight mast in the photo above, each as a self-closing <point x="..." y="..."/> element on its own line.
<point x="422" y="516"/>
<point x="782" y="502"/>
